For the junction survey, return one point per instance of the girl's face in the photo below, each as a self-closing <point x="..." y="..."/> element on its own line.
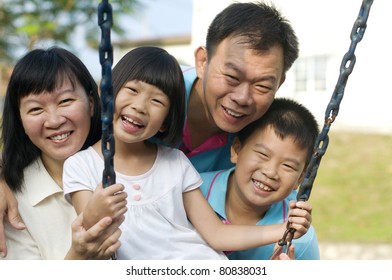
<point x="57" y="122"/>
<point x="267" y="168"/>
<point x="140" y="111"/>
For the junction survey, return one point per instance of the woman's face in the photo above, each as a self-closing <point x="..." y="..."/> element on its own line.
<point x="57" y="122"/>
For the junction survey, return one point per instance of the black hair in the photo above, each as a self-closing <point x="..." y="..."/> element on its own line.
<point x="288" y="118"/>
<point x="157" y="67"/>
<point x="36" y="72"/>
<point x="261" y="26"/>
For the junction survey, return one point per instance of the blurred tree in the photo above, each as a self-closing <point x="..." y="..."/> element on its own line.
<point x="24" y="24"/>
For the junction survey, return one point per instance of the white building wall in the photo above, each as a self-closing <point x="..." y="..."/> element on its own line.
<point x="324" y="27"/>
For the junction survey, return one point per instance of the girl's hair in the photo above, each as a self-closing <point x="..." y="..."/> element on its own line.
<point x="36" y="72"/>
<point x="157" y="67"/>
<point x="288" y="118"/>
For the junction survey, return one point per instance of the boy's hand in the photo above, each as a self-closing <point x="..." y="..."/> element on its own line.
<point x="300" y="217"/>
<point x="105" y="202"/>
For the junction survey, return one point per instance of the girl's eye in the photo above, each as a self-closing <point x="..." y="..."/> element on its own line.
<point x="132" y="90"/>
<point x="66" y="101"/>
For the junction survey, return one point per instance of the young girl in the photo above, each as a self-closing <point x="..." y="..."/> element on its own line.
<point x="168" y="217"/>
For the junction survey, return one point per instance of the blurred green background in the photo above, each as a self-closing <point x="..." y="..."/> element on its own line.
<point x="351" y="195"/>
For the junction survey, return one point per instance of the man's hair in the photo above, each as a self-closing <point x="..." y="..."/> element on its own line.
<point x="261" y="26"/>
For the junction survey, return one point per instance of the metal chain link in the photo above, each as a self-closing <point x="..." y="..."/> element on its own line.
<point x="346" y="68"/>
<point x="105" y="21"/>
<point x="332" y="110"/>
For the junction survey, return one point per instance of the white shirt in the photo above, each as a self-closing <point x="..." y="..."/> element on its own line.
<point x="156" y="226"/>
<point x="47" y="216"/>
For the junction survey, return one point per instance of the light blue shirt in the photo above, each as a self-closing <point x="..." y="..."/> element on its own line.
<point x="214" y="189"/>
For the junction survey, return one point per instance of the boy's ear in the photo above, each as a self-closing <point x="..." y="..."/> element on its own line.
<point x="235" y="150"/>
<point x="200" y="60"/>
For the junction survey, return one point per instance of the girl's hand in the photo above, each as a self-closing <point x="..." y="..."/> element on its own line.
<point x="105" y="202"/>
<point x="300" y="217"/>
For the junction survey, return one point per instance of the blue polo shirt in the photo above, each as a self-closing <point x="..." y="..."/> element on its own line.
<point x="214" y="189"/>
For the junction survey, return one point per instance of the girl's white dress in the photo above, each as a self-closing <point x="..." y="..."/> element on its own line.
<point x="156" y="226"/>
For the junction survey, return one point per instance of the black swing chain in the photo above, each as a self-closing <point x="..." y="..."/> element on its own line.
<point x="332" y="110"/>
<point x="105" y="21"/>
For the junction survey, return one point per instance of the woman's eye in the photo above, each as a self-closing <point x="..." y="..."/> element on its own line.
<point x="34" y="110"/>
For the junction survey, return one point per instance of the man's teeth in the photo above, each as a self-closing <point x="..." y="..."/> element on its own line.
<point x="61" y="136"/>
<point x="132" y="121"/>
<point x="234" y="114"/>
<point x="262" y="186"/>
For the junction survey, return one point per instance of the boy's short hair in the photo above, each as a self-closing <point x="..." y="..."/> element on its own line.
<point x="288" y="118"/>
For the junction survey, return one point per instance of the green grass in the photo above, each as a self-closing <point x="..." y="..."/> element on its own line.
<point x="352" y="193"/>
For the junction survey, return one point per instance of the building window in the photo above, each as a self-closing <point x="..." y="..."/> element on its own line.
<point x="310" y="74"/>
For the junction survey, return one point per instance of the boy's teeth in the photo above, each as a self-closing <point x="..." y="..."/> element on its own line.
<point x="262" y="186"/>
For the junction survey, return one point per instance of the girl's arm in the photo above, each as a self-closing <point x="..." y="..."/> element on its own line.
<point x="223" y="237"/>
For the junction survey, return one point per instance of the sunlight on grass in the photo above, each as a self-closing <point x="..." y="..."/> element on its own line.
<point x="352" y="193"/>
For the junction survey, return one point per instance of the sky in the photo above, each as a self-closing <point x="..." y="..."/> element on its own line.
<point x="157" y="18"/>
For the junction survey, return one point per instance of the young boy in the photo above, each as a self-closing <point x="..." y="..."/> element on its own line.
<point x="271" y="156"/>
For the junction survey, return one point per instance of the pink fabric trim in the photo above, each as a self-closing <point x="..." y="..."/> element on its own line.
<point x="213" y="142"/>
<point x="212" y="182"/>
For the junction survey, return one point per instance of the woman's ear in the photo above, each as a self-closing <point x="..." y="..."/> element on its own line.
<point x="200" y="60"/>
<point x="235" y="150"/>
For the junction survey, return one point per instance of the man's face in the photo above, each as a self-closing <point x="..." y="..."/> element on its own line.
<point x="239" y="84"/>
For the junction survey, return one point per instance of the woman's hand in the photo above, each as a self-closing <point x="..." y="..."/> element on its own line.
<point x="98" y="242"/>
<point x="8" y="211"/>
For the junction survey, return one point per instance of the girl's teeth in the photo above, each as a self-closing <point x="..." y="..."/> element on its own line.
<point x="132" y="121"/>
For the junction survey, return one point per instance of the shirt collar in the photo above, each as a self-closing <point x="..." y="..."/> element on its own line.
<point x="38" y="183"/>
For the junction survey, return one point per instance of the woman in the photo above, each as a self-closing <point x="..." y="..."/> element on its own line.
<point x="51" y="111"/>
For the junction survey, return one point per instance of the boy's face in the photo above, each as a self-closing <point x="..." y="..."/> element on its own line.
<point x="239" y="84"/>
<point x="268" y="168"/>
